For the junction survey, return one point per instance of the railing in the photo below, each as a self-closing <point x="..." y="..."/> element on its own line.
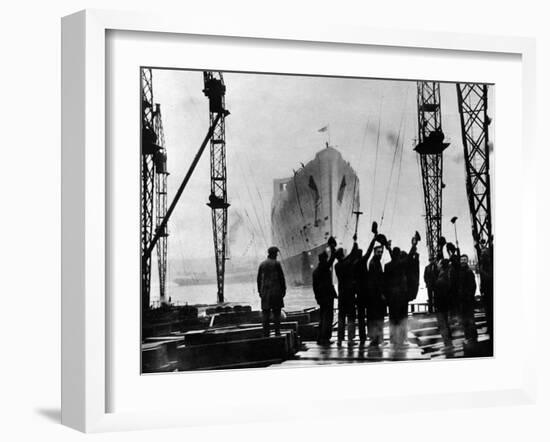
<point x="418" y="307"/>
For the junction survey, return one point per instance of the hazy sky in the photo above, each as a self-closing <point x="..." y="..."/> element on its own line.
<point x="273" y="127"/>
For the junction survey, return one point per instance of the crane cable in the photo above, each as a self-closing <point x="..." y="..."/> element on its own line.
<point x="400" y="165"/>
<point x="262" y="204"/>
<point x="358" y="169"/>
<point x="255" y="212"/>
<point x="359" y="165"/>
<point x="397" y="186"/>
<point x="376" y="157"/>
<point x="399" y="134"/>
<point x="397" y="145"/>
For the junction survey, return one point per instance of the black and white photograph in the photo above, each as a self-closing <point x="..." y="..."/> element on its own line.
<point x="298" y="221"/>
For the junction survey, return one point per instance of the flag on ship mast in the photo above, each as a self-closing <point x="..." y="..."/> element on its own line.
<point x="326" y="129"/>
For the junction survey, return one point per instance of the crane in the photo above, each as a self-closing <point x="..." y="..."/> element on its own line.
<point x="147" y="183"/>
<point x="161" y="178"/>
<point x="430" y="148"/>
<point x="214" y="89"/>
<point x="215" y="92"/>
<point x="472" y="106"/>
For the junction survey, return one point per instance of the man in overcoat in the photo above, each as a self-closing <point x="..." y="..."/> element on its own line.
<point x="430" y="276"/>
<point x="325" y="294"/>
<point x="396" y="291"/>
<point x="442" y="301"/>
<point x="486" y="284"/>
<point x="466" y="294"/>
<point x="362" y="280"/>
<point x="376" y="301"/>
<point x="347" y="293"/>
<point x="272" y="290"/>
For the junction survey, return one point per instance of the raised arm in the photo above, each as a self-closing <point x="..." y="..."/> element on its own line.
<point x="353" y="251"/>
<point x="332" y="244"/>
<point x="388" y="248"/>
<point x="414" y="242"/>
<point x="332" y="257"/>
<point x="368" y="253"/>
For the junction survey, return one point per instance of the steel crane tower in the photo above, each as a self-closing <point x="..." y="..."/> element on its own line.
<point x="161" y="176"/>
<point x="472" y="105"/>
<point x="147" y="184"/>
<point x="214" y="89"/>
<point x="430" y="148"/>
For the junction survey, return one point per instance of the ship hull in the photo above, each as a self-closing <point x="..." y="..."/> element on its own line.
<point x="317" y="202"/>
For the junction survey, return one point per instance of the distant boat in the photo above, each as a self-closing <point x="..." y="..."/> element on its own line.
<point x="230" y="278"/>
<point x="307" y="208"/>
<point x="194" y="281"/>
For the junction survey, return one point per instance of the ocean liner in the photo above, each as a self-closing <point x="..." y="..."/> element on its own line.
<point x="315" y="203"/>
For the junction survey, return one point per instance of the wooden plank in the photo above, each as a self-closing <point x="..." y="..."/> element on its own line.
<point x="219" y="336"/>
<point x="234" y="352"/>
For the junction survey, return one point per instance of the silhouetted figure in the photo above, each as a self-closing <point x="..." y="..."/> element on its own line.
<point x="486" y="285"/>
<point x="362" y="278"/>
<point x="466" y="282"/>
<point x="430" y="276"/>
<point x="397" y="292"/>
<point x="442" y="301"/>
<point x="454" y="269"/>
<point x="325" y="294"/>
<point x="272" y="289"/>
<point x="413" y="274"/>
<point x="347" y="289"/>
<point x="376" y="302"/>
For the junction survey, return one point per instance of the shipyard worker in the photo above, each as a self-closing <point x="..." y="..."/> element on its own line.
<point x="325" y="294"/>
<point x="347" y="289"/>
<point x="442" y="301"/>
<point x="486" y="285"/>
<point x="466" y="291"/>
<point x="454" y="269"/>
<point x="430" y="275"/>
<point x="396" y="290"/>
<point x="272" y="289"/>
<point x="362" y="287"/>
<point x="376" y="301"/>
<point x="413" y="274"/>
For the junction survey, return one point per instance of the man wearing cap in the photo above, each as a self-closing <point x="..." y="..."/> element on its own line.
<point x="397" y="292"/>
<point x="430" y="276"/>
<point x="466" y="291"/>
<point x="347" y="292"/>
<point x="272" y="289"/>
<point x="324" y="292"/>
<point x="486" y="283"/>
<point x="376" y="301"/>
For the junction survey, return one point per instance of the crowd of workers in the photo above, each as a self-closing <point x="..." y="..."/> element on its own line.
<point x="368" y="292"/>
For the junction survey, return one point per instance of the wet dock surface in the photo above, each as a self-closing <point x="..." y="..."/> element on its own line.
<point x="315" y="354"/>
<point x="424" y="342"/>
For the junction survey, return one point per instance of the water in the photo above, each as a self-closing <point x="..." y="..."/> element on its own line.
<point x="297" y="298"/>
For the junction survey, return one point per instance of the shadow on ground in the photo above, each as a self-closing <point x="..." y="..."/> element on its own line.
<point x="51" y="414"/>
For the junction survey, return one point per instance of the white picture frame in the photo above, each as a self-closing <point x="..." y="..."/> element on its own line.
<point x="85" y="308"/>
